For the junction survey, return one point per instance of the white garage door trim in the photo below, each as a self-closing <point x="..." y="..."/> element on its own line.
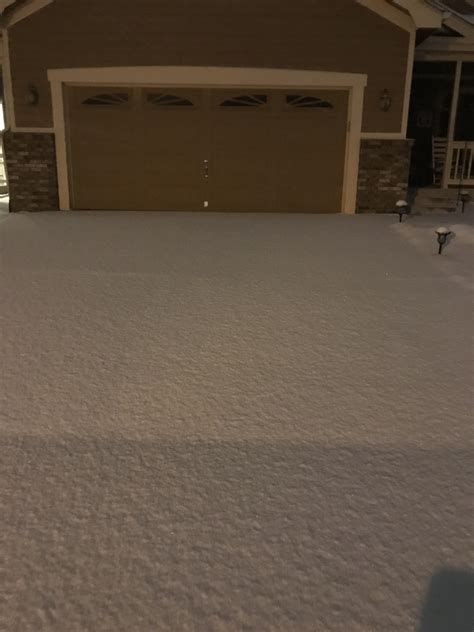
<point x="210" y="77"/>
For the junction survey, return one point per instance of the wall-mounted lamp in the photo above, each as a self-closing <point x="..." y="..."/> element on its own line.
<point x="31" y="96"/>
<point x="385" y="101"/>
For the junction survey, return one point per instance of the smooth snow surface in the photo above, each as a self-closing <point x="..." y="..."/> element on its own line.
<point x="232" y="422"/>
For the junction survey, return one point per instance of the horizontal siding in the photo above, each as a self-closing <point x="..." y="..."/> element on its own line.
<point x="328" y="35"/>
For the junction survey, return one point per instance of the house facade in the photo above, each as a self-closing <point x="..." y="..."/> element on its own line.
<point x="441" y="117"/>
<point x="210" y="105"/>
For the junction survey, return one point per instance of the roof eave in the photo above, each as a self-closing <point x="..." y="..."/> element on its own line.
<point x="423" y="14"/>
<point x="13" y="11"/>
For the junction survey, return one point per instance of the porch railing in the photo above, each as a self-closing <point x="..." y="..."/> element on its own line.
<point x="3" y="177"/>
<point x="462" y="163"/>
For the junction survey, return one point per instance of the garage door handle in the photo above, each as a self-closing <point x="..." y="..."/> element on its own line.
<point x="206" y="168"/>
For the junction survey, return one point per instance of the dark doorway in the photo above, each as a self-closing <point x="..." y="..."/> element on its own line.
<point x="428" y="122"/>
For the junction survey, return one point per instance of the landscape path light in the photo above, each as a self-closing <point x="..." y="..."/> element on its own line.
<point x="443" y="234"/>
<point x="402" y="209"/>
<point x="465" y="197"/>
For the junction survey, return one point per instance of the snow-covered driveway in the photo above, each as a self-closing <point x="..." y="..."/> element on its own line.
<point x="232" y="422"/>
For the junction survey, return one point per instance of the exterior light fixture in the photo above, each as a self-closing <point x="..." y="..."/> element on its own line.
<point x="465" y="197"/>
<point x="31" y="96"/>
<point x="443" y="234"/>
<point x="402" y="209"/>
<point x="385" y="101"/>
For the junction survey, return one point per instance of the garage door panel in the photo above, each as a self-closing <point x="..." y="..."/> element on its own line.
<point x="295" y="198"/>
<point x="285" y="153"/>
<point x="243" y="184"/>
<point x="100" y="144"/>
<point x="311" y="156"/>
<point x="171" y="156"/>
<point x="125" y="145"/>
<point x="120" y="194"/>
<point x="189" y="149"/>
<point x="171" y="133"/>
<point x="242" y="175"/>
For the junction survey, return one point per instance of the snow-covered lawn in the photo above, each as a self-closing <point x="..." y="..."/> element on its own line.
<point x="232" y="422"/>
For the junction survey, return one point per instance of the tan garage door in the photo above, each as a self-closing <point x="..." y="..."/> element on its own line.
<point x="222" y="150"/>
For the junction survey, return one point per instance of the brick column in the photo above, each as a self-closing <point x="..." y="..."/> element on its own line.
<point x="383" y="174"/>
<point x="31" y="171"/>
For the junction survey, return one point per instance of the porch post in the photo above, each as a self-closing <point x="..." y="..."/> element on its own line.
<point x="452" y="125"/>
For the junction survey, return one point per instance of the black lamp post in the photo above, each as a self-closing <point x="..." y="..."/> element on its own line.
<point x="402" y="209"/>
<point x="443" y="234"/>
<point x="465" y="198"/>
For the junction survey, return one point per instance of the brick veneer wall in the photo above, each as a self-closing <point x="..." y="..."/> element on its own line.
<point x="31" y="169"/>
<point x="383" y="174"/>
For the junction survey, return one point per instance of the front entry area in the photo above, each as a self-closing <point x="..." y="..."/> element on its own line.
<point x="170" y="149"/>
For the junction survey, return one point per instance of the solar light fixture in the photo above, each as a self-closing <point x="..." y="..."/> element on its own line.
<point x="402" y="209"/>
<point x="443" y="234"/>
<point x="465" y="197"/>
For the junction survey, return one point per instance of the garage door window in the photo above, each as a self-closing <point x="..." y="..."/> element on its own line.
<point x="159" y="99"/>
<point x="111" y="99"/>
<point x="304" y="101"/>
<point x="246" y="101"/>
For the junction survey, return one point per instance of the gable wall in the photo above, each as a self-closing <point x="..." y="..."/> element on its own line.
<point x="327" y="35"/>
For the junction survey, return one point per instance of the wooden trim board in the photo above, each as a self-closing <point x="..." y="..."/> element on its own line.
<point x="212" y="77"/>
